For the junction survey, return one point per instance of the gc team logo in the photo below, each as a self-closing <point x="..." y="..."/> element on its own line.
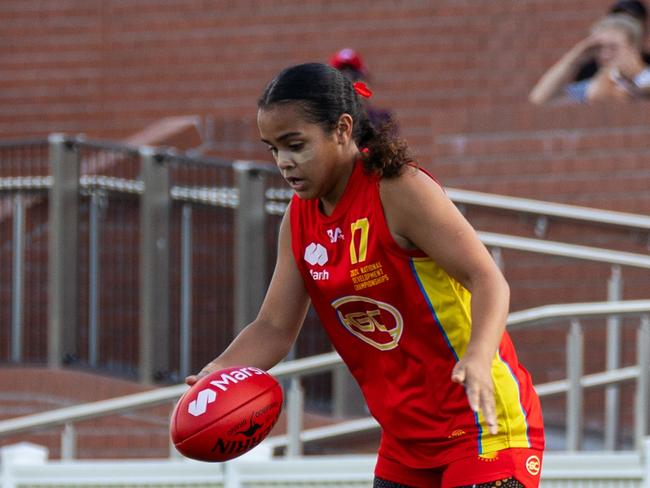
<point x="376" y="323"/>
<point x="533" y="465"/>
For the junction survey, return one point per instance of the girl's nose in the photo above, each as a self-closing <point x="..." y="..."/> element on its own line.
<point x="284" y="160"/>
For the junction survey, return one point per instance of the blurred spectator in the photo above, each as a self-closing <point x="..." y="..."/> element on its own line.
<point x="349" y="62"/>
<point x="633" y="8"/>
<point x="615" y="42"/>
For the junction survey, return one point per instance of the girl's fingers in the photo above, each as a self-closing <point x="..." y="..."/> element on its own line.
<point x="473" y="397"/>
<point x="489" y="412"/>
<point x="479" y="398"/>
<point x="458" y="375"/>
<point x="193" y="378"/>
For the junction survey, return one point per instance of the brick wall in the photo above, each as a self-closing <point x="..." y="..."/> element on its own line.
<point x="456" y="73"/>
<point x="592" y="156"/>
<point x="111" y="68"/>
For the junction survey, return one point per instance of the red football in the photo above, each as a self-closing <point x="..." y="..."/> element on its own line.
<point x="226" y="413"/>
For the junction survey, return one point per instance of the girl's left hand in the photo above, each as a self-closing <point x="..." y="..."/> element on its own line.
<point x="476" y="377"/>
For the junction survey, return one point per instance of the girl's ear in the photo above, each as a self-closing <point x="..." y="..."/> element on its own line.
<point x="344" y="128"/>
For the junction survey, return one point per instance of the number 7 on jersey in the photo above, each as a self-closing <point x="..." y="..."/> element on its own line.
<point x="361" y="225"/>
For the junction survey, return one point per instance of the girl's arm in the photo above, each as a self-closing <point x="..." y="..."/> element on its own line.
<point x="419" y="214"/>
<point x="553" y="82"/>
<point x="267" y="339"/>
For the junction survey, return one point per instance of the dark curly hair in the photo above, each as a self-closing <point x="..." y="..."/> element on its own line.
<point x="325" y="94"/>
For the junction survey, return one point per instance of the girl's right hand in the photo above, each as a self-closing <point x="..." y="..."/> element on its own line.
<point x="586" y="49"/>
<point x="207" y="369"/>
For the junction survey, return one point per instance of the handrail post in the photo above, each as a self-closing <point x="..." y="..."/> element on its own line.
<point x="231" y="476"/>
<point x="642" y="384"/>
<point x="574" y="353"/>
<point x="646" y="462"/>
<point x="250" y="245"/>
<point x="62" y="251"/>
<point x="612" y="392"/>
<point x="98" y="201"/>
<point x="68" y="442"/>
<point x="154" y="266"/>
<point x="185" y="364"/>
<point x="497" y="256"/>
<point x="295" y="407"/>
<point x="541" y="226"/>
<point x="18" y="278"/>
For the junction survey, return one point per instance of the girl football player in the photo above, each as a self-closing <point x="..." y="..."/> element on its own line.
<point x="409" y="296"/>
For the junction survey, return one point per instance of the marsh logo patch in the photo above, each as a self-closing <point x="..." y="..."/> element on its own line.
<point x="315" y="254"/>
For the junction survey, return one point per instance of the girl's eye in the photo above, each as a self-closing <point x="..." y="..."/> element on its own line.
<point x="296" y="146"/>
<point x="272" y="150"/>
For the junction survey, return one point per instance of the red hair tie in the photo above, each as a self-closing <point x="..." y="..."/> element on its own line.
<point x="362" y="89"/>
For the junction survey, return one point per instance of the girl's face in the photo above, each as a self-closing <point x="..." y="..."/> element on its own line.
<point x="612" y="42"/>
<point x="314" y="163"/>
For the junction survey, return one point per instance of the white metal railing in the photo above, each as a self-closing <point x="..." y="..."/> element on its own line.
<point x="459" y="196"/>
<point x="561" y="249"/>
<point x="23" y="466"/>
<point x="572" y="386"/>
<point x="538" y="315"/>
<point x="159" y="396"/>
<point x="281" y="195"/>
<point x="522" y="205"/>
<point x="537" y="207"/>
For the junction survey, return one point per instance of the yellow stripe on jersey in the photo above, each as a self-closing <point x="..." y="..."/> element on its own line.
<point x="449" y="300"/>
<point x="450" y="304"/>
<point x="510" y="414"/>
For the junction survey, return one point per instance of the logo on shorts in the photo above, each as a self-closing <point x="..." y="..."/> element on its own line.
<point x="456" y="433"/>
<point x="489" y="457"/>
<point x="533" y="465"/>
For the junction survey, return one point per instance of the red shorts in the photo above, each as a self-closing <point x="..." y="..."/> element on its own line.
<point x="524" y="465"/>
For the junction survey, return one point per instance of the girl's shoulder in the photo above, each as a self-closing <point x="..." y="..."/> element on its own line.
<point x="413" y="186"/>
<point x="412" y="174"/>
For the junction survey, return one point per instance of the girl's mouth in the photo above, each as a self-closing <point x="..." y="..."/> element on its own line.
<point x="296" y="183"/>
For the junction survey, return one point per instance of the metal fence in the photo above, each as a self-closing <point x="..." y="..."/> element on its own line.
<point x="25" y="172"/>
<point x="135" y="261"/>
<point x="143" y="263"/>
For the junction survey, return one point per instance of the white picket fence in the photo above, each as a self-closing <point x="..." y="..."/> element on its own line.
<point x="27" y="466"/>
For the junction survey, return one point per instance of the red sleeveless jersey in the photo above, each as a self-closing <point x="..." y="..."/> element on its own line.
<point x="401" y="323"/>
